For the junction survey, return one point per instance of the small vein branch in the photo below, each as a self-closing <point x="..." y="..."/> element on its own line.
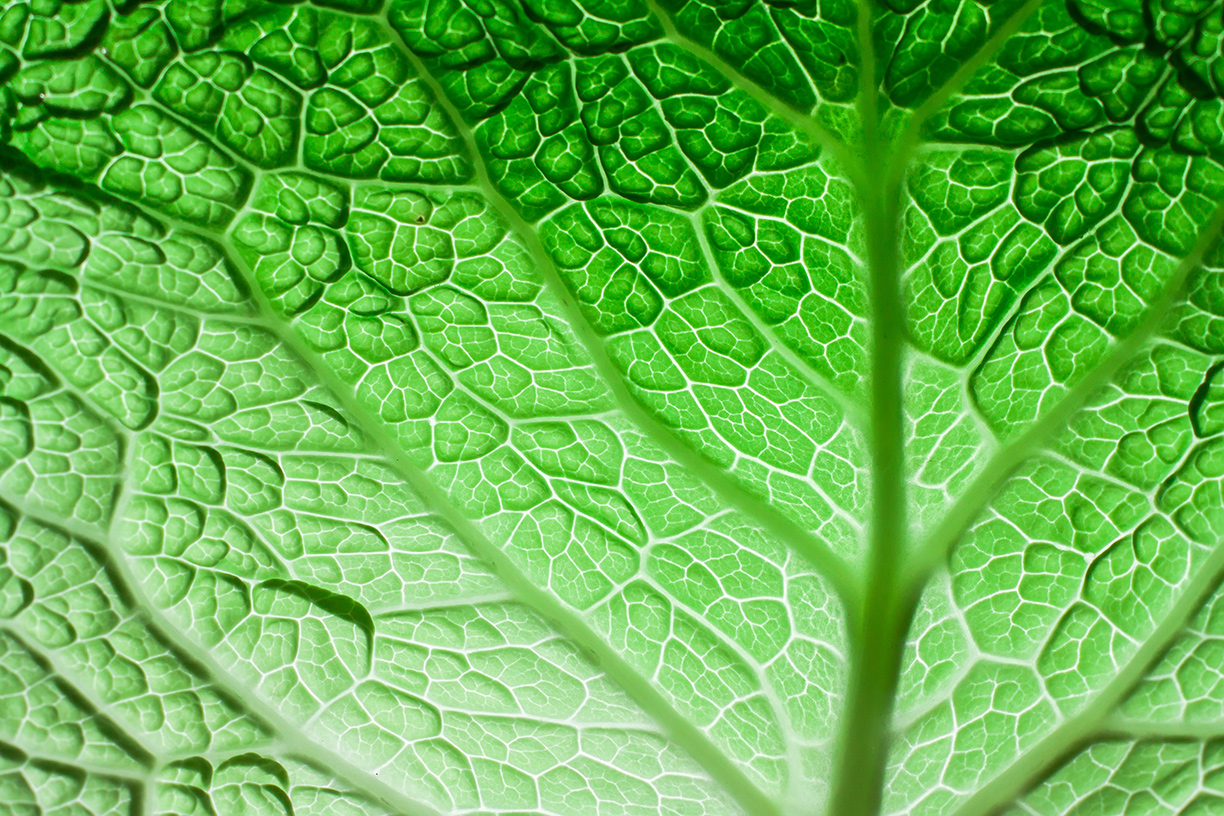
<point x="801" y="120"/>
<point x="913" y="132"/>
<point x="965" y="511"/>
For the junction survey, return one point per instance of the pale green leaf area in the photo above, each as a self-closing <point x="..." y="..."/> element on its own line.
<point x="611" y="408"/>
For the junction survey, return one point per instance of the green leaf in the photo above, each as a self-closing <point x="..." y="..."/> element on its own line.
<point x="611" y="407"/>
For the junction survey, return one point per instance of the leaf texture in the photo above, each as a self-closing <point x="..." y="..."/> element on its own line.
<point x="611" y="407"/>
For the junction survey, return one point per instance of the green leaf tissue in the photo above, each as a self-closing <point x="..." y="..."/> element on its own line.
<point x="611" y="408"/>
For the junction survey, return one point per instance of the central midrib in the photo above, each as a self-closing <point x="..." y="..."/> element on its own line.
<point x="877" y="624"/>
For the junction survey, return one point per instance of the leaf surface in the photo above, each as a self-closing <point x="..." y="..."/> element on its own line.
<point x="610" y="407"/>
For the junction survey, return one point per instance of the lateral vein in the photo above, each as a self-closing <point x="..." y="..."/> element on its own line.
<point x="190" y="651"/>
<point x="1092" y="722"/>
<point x="724" y="485"/>
<point x="1009" y="457"/>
